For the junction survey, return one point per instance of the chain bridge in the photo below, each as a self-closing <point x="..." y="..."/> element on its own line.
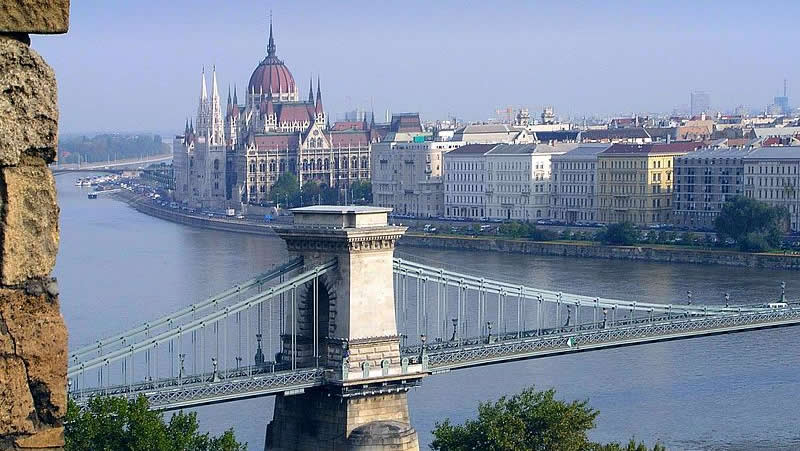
<point x="341" y="331"/>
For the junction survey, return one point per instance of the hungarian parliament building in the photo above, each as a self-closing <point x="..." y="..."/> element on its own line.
<point x="221" y="161"/>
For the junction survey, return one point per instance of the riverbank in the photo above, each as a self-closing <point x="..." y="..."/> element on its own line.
<point x="593" y="250"/>
<point x="560" y="249"/>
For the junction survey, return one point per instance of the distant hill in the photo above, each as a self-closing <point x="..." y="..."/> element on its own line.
<point x="106" y="147"/>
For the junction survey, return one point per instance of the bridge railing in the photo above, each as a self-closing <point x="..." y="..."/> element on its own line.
<point x="222" y="337"/>
<point x="485" y="350"/>
<point x="191" y="312"/>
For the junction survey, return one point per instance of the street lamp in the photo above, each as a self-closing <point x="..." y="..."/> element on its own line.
<point x="489" y="328"/>
<point x="783" y="291"/>
<point x="689" y="297"/>
<point x="727" y="299"/>
<point x="455" y="326"/>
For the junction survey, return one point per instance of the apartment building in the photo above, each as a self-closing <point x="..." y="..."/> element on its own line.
<point x="635" y="182"/>
<point x="464" y="182"/>
<point x="703" y="181"/>
<point x="518" y="180"/>
<point x="772" y="175"/>
<point x="407" y="175"/>
<point x="574" y="184"/>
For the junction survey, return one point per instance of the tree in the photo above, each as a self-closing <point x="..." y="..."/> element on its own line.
<point x="622" y="233"/>
<point x="531" y="420"/>
<point x="286" y="189"/>
<point x="754" y="225"/>
<point x="361" y="192"/>
<point x="117" y="424"/>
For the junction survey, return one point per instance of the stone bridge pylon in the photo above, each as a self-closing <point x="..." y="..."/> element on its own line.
<point x="345" y="322"/>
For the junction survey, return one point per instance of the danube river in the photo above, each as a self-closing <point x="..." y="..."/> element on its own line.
<point x="117" y="267"/>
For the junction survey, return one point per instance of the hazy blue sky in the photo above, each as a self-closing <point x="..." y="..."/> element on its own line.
<point x="135" y="65"/>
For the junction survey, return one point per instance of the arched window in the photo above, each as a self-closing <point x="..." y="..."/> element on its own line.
<point x="319" y="142"/>
<point x="282" y="165"/>
<point x="216" y="164"/>
<point x="312" y="165"/>
<point x="364" y="163"/>
<point x="327" y="164"/>
<point x="344" y="162"/>
<point x="305" y="165"/>
<point x="319" y="163"/>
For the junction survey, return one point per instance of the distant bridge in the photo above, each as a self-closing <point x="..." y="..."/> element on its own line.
<point x="111" y="167"/>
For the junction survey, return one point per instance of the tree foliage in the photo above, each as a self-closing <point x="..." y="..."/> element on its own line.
<point x="622" y="234"/>
<point x="285" y="189"/>
<point x="529" y="421"/>
<point x="361" y="192"/>
<point x="117" y="424"/>
<point x="754" y="225"/>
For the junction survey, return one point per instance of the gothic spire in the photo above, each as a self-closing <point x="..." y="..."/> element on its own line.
<point x="318" y="106"/>
<point x="203" y="91"/>
<point x="235" y="100"/>
<point x="271" y="45"/>
<point x="310" y="89"/>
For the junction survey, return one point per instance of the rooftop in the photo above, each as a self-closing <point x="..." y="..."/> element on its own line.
<point x="775" y="153"/>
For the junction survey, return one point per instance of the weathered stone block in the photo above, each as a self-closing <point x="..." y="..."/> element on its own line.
<point x="15" y="397"/>
<point x="34" y="16"/>
<point x="48" y="438"/>
<point x="39" y="339"/>
<point x="29" y="223"/>
<point x="28" y="104"/>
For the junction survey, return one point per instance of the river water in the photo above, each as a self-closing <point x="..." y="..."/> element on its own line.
<point x="117" y="267"/>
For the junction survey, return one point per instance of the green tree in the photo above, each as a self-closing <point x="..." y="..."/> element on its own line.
<point x="361" y="192"/>
<point x="754" y="225"/>
<point x="117" y="424"/>
<point x="285" y="189"/>
<point x="621" y="233"/>
<point x="530" y="421"/>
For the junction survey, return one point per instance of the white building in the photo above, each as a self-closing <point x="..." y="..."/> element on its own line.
<point x="464" y="181"/>
<point x="407" y="174"/>
<point x="574" y="184"/>
<point x="499" y="181"/>
<point x="518" y="180"/>
<point x="772" y="175"/>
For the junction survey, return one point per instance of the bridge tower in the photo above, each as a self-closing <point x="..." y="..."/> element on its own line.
<point x="346" y="323"/>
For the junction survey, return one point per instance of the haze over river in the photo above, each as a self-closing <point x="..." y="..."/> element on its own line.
<point x="117" y="267"/>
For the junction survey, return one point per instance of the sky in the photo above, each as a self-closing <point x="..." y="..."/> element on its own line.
<point x="134" y="66"/>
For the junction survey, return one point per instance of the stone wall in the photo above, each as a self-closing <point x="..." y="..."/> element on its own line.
<point x="588" y="250"/>
<point x="33" y="338"/>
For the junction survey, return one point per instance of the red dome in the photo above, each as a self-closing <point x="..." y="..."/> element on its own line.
<point x="272" y="75"/>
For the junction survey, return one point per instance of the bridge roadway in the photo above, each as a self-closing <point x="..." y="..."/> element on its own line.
<point x="116" y="165"/>
<point x="269" y="379"/>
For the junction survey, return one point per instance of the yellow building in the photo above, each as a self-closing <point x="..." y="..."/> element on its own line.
<point x="634" y="182"/>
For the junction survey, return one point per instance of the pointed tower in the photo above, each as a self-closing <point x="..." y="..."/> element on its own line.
<point x="310" y="89"/>
<point x="229" y="107"/>
<point x="216" y="126"/>
<point x="203" y="108"/>
<point x="235" y="99"/>
<point x="271" y="42"/>
<point x="318" y="110"/>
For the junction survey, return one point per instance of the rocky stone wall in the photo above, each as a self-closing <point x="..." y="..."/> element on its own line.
<point x="33" y="338"/>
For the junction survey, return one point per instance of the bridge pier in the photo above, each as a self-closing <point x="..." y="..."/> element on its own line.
<point x="347" y="325"/>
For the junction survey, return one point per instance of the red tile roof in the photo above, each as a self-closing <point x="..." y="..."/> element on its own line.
<point x="291" y="112"/>
<point x="349" y="138"/>
<point x="282" y="141"/>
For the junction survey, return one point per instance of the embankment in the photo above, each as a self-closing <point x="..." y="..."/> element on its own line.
<point x="589" y="250"/>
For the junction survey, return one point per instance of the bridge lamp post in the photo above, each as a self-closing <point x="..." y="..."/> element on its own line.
<point x="689" y="297"/>
<point x="238" y="362"/>
<point x="455" y="329"/>
<point x="783" y="291"/>
<point x="727" y="300"/>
